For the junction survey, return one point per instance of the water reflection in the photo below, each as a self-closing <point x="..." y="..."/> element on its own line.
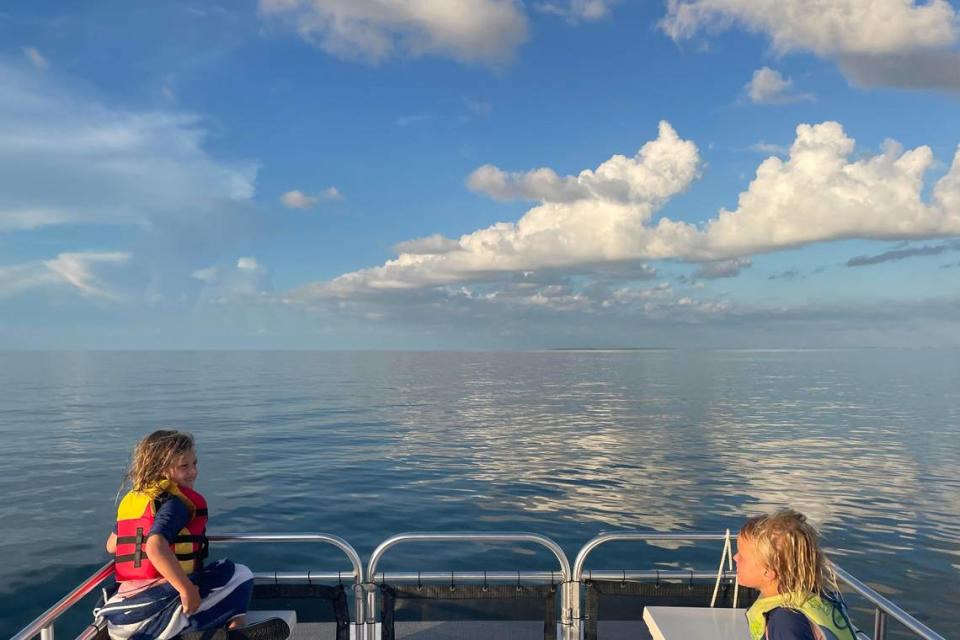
<point x="369" y="444"/>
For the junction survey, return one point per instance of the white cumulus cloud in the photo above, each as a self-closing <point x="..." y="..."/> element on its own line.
<point x="605" y="216"/>
<point x="819" y="193"/>
<point x="659" y="170"/>
<point x="434" y="244"/>
<point x="599" y="216"/>
<point x="486" y="31"/>
<point x="865" y="27"/>
<point x="874" y="41"/>
<point x="769" y="86"/>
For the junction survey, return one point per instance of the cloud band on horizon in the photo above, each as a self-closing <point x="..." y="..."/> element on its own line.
<point x="605" y="216"/>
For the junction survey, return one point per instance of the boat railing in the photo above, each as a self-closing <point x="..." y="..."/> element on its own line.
<point x="571" y="578"/>
<point x="883" y="608"/>
<point x="472" y="537"/>
<point x="44" y="624"/>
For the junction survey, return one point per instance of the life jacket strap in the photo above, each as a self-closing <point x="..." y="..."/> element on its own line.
<point x="138" y="550"/>
<point x="190" y="538"/>
<point x="128" y="557"/>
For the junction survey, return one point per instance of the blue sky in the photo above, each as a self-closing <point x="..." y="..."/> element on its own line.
<point x="479" y="174"/>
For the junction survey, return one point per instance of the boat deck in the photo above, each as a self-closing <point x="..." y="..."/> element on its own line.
<point x="474" y="630"/>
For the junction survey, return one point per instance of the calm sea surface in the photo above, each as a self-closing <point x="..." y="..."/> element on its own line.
<point x="567" y="444"/>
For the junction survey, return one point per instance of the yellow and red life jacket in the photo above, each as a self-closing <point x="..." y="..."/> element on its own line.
<point x="135" y="517"/>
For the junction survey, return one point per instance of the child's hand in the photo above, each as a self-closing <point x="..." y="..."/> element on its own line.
<point x="190" y="598"/>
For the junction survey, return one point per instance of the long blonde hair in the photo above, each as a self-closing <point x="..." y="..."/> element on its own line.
<point x="790" y="546"/>
<point x="154" y="455"/>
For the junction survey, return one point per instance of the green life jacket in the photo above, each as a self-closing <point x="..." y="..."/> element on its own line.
<point x="827" y="618"/>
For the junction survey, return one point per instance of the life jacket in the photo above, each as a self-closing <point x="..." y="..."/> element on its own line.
<point x="828" y="617"/>
<point x="135" y="517"/>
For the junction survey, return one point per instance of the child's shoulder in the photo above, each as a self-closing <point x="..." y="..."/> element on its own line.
<point x="784" y="623"/>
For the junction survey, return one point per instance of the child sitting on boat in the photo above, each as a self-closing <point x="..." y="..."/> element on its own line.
<point x="159" y="545"/>
<point x="779" y="554"/>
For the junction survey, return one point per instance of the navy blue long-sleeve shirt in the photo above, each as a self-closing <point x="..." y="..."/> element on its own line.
<point x="788" y="624"/>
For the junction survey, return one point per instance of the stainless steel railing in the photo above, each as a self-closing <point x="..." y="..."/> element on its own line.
<point x="882" y="606"/>
<point x="44" y="624"/>
<point x="337" y="541"/>
<point x="572" y="578"/>
<point x="533" y="538"/>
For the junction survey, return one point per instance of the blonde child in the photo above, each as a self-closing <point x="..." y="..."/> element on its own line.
<point x="159" y="544"/>
<point x="779" y="554"/>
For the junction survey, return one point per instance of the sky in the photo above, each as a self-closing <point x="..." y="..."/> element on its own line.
<point x="479" y="174"/>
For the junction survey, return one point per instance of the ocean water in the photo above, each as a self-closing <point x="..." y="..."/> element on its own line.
<point x="566" y="443"/>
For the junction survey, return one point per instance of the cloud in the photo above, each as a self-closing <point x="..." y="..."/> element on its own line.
<point x="435" y="244"/>
<point x="768" y="86"/>
<point x="819" y="194"/>
<point x="722" y="269"/>
<point x="36" y="58"/>
<point x="246" y="279"/>
<point x="789" y="274"/>
<point x="484" y="31"/>
<point x="539" y="184"/>
<point x="605" y="216"/>
<point x="597" y="217"/>
<point x="103" y="165"/>
<point x="207" y="275"/>
<point x="76" y="271"/>
<point x="478" y="108"/>
<point x="770" y="148"/>
<point x="248" y="264"/>
<point x="912" y="70"/>
<point x="644" y="180"/>
<point x="863" y="27"/>
<point x="576" y="10"/>
<point x="331" y="193"/>
<point x="406" y="121"/>
<point x="875" y="41"/>
<point x="296" y="199"/>
<point x="902" y="254"/>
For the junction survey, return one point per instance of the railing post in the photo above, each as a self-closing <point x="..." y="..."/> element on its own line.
<point x="371" y="609"/>
<point x="47" y="632"/>
<point x="359" y="621"/>
<point x="572" y="628"/>
<point x="879" y="624"/>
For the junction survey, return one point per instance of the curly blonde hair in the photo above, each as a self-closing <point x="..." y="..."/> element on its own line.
<point x="154" y="455"/>
<point x="790" y="546"/>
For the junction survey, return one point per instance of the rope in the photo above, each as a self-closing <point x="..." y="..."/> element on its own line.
<point x="727" y="554"/>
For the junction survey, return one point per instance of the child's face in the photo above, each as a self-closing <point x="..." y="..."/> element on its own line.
<point x="751" y="572"/>
<point x="183" y="471"/>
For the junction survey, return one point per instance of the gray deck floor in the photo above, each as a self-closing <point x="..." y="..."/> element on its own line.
<point x="474" y="630"/>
